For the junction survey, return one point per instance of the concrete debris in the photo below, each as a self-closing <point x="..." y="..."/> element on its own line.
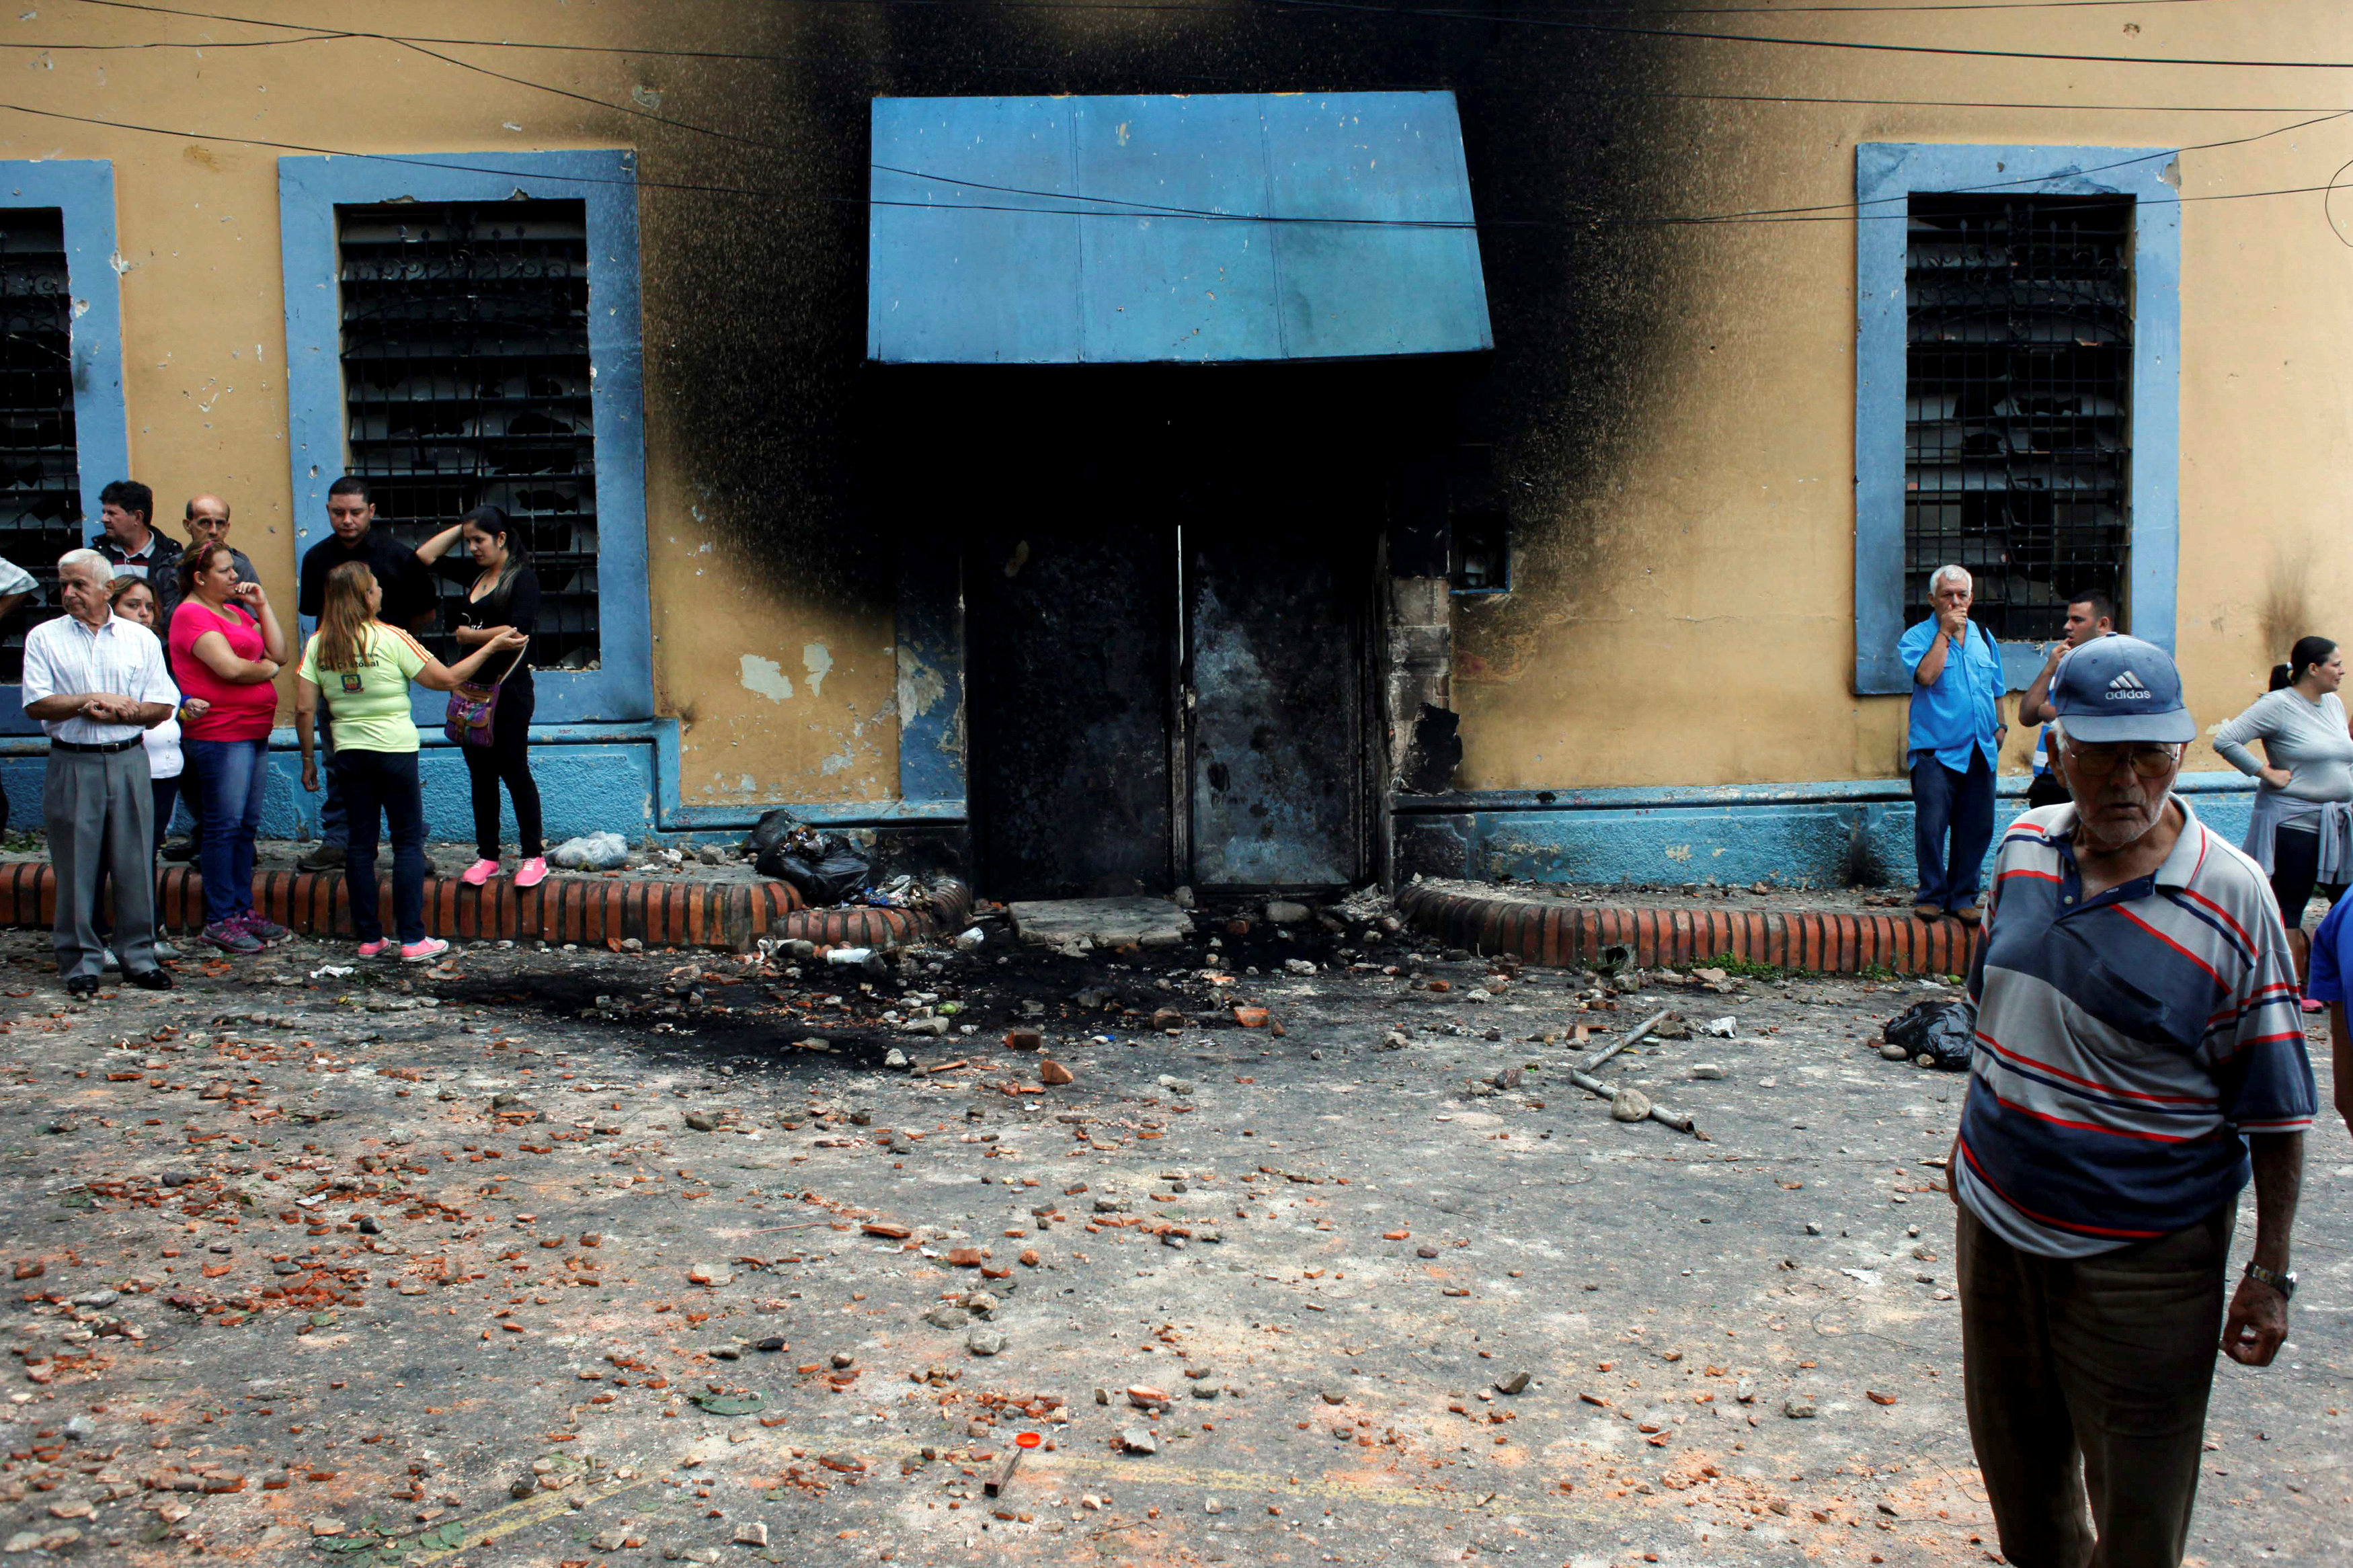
<point x="1630" y="1104"/>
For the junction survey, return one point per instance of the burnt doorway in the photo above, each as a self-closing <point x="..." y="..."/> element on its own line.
<point x="1274" y="697"/>
<point x="1167" y="578"/>
<point x="1069" y="663"/>
<point x="1163" y="703"/>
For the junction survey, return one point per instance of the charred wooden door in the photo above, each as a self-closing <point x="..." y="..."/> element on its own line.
<point x="1071" y="648"/>
<point x="1275" y="634"/>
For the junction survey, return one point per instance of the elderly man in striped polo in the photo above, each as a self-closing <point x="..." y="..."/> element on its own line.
<point x="2138" y="1039"/>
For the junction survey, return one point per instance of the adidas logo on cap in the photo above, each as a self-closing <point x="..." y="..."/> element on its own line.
<point x="2126" y="688"/>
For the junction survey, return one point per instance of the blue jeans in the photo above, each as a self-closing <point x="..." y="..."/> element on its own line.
<point x="1956" y="807"/>
<point x="334" y="825"/>
<point x="384" y="782"/>
<point x="229" y="777"/>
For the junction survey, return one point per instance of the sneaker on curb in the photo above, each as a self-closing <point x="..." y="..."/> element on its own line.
<point x="112" y="960"/>
<point x="531" y="872"/>
<point x="325" y="857"/>
<point x="180" y="851"/>
<point x="432" y="947"/>
<point x="230" y="937"/>
<point x="374" y="949"/>
<point x="268" y="934"/>
<point x="479" y="872"/>
<point x="164" y="949"/>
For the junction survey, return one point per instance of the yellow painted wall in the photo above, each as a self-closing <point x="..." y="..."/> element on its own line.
<point x="205" y="336"/>
<point x="1687" y="618"/>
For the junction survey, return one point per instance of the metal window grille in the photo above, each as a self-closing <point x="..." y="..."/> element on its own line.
<point x="466" y="381"/>
<point x="40" y="476"/>
<point x="2017" y="402"/>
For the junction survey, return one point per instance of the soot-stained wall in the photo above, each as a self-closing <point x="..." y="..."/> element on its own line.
<point x="786" y="499"/>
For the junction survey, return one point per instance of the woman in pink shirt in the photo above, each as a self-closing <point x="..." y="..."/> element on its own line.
<point x="226" y="649"/>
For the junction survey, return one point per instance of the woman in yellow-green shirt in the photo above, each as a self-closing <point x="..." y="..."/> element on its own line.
<point x="362" y="668"/>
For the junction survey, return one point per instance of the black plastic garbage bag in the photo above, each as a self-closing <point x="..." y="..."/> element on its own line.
<point x="1942" y="1030"/>
<point x="773" y="827"/>
<point x="827" y="877"/>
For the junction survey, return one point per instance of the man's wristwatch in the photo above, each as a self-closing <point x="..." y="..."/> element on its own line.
<point x="2283" y="1283"/>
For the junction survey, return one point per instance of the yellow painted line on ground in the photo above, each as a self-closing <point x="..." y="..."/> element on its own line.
<point x="1037" y="1468"/>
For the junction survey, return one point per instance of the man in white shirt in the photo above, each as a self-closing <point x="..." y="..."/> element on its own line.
<point x="97" y="683"/>
<point x="16" y="585"/>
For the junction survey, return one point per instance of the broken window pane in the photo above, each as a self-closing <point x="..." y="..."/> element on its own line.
<point x="40" y="475"/>
<point x="1481" y="559"/>
<point x="466" y="380"/>
<point x="2017" y="402"/>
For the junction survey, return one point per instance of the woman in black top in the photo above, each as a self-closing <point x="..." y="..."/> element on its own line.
<point x="501" y="594"/>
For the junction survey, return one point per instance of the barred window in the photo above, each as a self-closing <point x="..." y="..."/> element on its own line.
<point x="40" y="473"/>
<point x="2017" y="402"/>
<point x="466" y="378"/>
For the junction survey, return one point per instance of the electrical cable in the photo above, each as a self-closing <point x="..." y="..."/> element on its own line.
<point x="1620" y="29"/>
<point x="1168" y="210"/>
<point x="1392" y="12"/>
<point x="1594" y="221"/>
<point x="1163" y="209"/>
<point x="316" y="34"/>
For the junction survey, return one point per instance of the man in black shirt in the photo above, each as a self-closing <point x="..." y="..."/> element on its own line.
<point x="133" y="546"/>
<point x="409" y="602"/>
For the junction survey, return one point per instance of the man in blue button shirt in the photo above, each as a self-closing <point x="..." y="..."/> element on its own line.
<point x="1954" y="746"/>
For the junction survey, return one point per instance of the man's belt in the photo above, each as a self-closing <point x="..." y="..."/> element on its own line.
<point x="102" y="746"/>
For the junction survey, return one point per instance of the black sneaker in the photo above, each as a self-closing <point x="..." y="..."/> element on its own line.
<point x="181" y="851"/>
<point x="149" y="980"/>
<point x="325" y="857"/>
<point x="82" y="984"/>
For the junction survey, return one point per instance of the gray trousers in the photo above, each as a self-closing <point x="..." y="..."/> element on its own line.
<point x="99" y="809"/>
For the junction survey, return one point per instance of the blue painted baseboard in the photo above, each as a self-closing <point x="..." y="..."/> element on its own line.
<point x="592" y="778"/>
<point x="1826" y="835"/>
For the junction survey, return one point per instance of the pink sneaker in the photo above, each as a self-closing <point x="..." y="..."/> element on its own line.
<point x="432" y="947"/>
<point x="479" y="872"/>
<point x="533" y="873"/>
<point x="374" y="949"/>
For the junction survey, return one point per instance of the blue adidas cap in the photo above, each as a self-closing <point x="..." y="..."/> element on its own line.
<point x="2121" y="688"/>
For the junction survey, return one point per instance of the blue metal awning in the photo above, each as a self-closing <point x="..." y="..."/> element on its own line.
<point x="1230" y="226"/>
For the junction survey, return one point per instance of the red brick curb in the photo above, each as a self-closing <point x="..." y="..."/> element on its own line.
<point x="586" y="910"/>
<point x="1563" y="935"/>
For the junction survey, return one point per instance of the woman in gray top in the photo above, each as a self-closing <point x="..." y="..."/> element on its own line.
<point x="2302" y="829"/>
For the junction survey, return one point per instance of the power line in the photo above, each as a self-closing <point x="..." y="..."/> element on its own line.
<point x="1620" y="29"/>
<point x="1197" y="213"/>
<point x="1591" y="221"/>
<point x="162" y="44"/>
<point x="1393" y="11"/>
<point x="314" y="34"/>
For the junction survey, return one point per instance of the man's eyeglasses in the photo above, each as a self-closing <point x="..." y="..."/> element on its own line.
<point x="2148" y="761"/>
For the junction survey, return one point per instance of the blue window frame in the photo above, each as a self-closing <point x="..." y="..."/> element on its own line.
<point x="81" y="193"/>
<point x="311" y="192"/>
<point x="1888" y="175"/>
